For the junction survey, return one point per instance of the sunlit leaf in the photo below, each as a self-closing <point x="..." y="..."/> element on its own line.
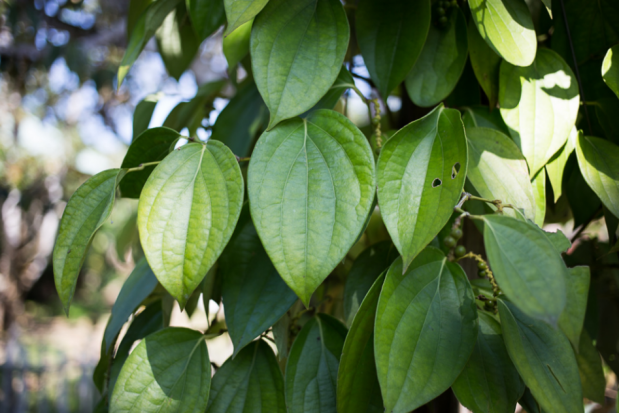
<point x="177" y="42"/>
<point x="610" y="69"/>
<point x="236" y="45"/>
<point x="555" y="166"/>
<point x="239" y="12"/>
<point x="539" y="184"/>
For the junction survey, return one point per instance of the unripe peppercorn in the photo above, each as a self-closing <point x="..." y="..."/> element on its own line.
<point x="460" y="251"/>
<point x="456" y="233"/>
<point x="482" y="266"/>
<point x="449" y="242"/>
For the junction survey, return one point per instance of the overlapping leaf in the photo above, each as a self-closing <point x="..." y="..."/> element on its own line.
<point x="485" y="63"/>
<point x="236" y="45"/>
<point x="610" y="69"/>
<point x="297" y="51"/>
<point x="206" y="16"/>
<point x="539" y="185"/>
<point x="239" y="12"/>
<point x="593" y="381"/>
<point x="577" y="288"/>
<point x="425" y="330"/>
<point x="187" y="212"/>
<point x="311" y="186"/>
<point x="142" y="114"/>
<point x="555" y="166"/>
<point x="177" y="42"/>
<point x="420" y="177"/>
<point x="481" y="116"/>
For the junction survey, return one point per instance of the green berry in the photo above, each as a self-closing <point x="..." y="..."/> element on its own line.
<point x="441" y="11"/>
<point x="460" y="251"/>
<point x="453" y="3"/>
<point x="482" y="273"/>
<point x="456" y="233"/>
<point x="443" y="20"/>
<point x="482" y="266"/>
<point x="449" y="242"/>
<point x="488" y="304"/>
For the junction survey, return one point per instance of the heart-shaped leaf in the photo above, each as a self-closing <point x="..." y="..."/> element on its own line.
<point x="555" y="166"/>
<point x="169" y="371"/>
<point x="358" y="388"/>
<point x="507" y="27"/>
<point x="254" y="294"/>
<point x="152" y="145"/>
<point x="88" y="208"/>
<point x="206" y="16"/>
<point x="544" y="358"/>
<point x="489" y="383"/>
<point x="297" y="51"/>
<point x="391" y="36"/>
<point x="485" y="63"/>
<point x="312" y="366"/>
<point x="239" y="12"/>
<point x="498" y="171"/>
<point x="425" y="330"/>
<point x="420" y="177"/>
<point x="441" y="63"/>
<point x="187" y="212"/>
<point x="577" y="288"/>
<point x="539" y="104"/>
<point x="536" y="285"/>
<point x="251" y="382"/>
<point x="610" y="69"/>
<point x="598" y="162"/>
<point x="311" y="186"/>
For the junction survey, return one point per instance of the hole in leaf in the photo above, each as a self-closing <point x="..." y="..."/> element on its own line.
<point x="455" y="170"/>
<point x="436" y="182"/>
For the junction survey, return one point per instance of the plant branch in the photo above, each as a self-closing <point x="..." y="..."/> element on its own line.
<point x="142" y="166"/>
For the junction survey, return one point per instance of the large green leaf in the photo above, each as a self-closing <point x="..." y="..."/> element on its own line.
<point x="577" y="288"/>
<point x="489" y="383"/>
<point x="507" y="27"/>
<point x="250" y="383"/>
<point x="236" y="45"/>
<point x="138" y="286"/>
<point x="425" y="330"/>
<point x="206" y="16"/>
<point x="544" y="358"/>
<point x="255" y="296"/>
<point x="555" y="166"/>
<point x="539" y="104"/>
<point x="391" y="36"/>
<point x="145" y="27"/>
<point x="187" y="212"/>
<point x="311" y="186"/>
<point x="143" y="113"/>
<point x="177" y="42"/>
<point x="420" y="177"/>
<point x="536" y="285"/>
<point x="238" y="123"/>
<point x="590" y="365"/>
<point x="610" y="69"/>
<point x="598" y="162"/>
<point x="312" y="366"/>
<point x="358" y="388"/>
<point x="88" y="208"/>
<point x="136" y="7"/>
<point x="169" y="371"/>
<point x="152" y="145"/>
<point x="441" y="63"/>
<point x="485" y="63"/>
<point x="539" y="185"/>
<point x="365" y="270"/>
<point x="239" y="12"/>
<point x="343" y="82"/>
<point x="297" y="51"/>
<point x="483" y="117"/>
<point x="498" y="171"/>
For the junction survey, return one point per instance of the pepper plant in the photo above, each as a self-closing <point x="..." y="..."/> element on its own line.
<point x="339" y="251"/>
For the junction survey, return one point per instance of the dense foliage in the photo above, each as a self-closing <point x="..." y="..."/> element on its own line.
<point x="345" y="246"/>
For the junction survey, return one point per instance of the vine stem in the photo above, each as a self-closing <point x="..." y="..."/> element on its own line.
<point x="489" y="273"/>
<point x="243" y="159"/>
<point x="142" y="166"/>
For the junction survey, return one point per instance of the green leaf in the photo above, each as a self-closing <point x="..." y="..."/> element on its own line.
<point x="560" y="242"/>
<point x="466" y="92"/>
<point x="250" y="383"/>
<point x="145" y="27"/>
<point x="297" y="51"/>
<point x="485" y="63"/>
<point x="507" y="27"/>
<point x="236" y="45"/>
<point x="239" y="12"/>
<point x="152" y="145"/>
<point x="606" y="110"/>
<point x="255" y="296"/>
<point x="584" y="203"/>
<point x="312" y="366"/>
<point x="88" y="208"/>
<point x="425" y="330"/>
<point x="544" y="358"/>
<point x="358" y="388"/>
<point x="539" y="184"/>
<point x="206" y="16"/>
<point x="391" y="36"/>
<point x="136" y="8"/>
<point x="177" y="42"/>
<point x="591" y="373"/>
<point x="481" y="116"/>
<point x="498" y="171"/>
<point x="538" y="290"/>
<point x="138" y="286"/>
<point x="366" y="268"/>
<point x="238" y="123"/>
<point x="441" y="63"/>
<point x="311" y="186"/>
<point x="190" y="114"/>
<point x="489" y="383"/>
<point x="598" y="162"/>
<point x="187" y="212"/>
<point x="577" y="288"/>
<point x="169" y="371"/>
<point x="420" y="177"/>
<point x="539" y="104"/>
<point x="142" y="114"/>
<point x="343" y="82"/>
<point x="555" y="166"/>
<point x="610" y="69"/>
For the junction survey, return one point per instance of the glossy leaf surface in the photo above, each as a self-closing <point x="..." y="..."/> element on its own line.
<point x="239" y="12"/>
<point x="420" y="177"/>
<point x="311" y="186"/>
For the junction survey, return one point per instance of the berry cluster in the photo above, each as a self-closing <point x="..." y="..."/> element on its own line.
<point x="442" y="11"/>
